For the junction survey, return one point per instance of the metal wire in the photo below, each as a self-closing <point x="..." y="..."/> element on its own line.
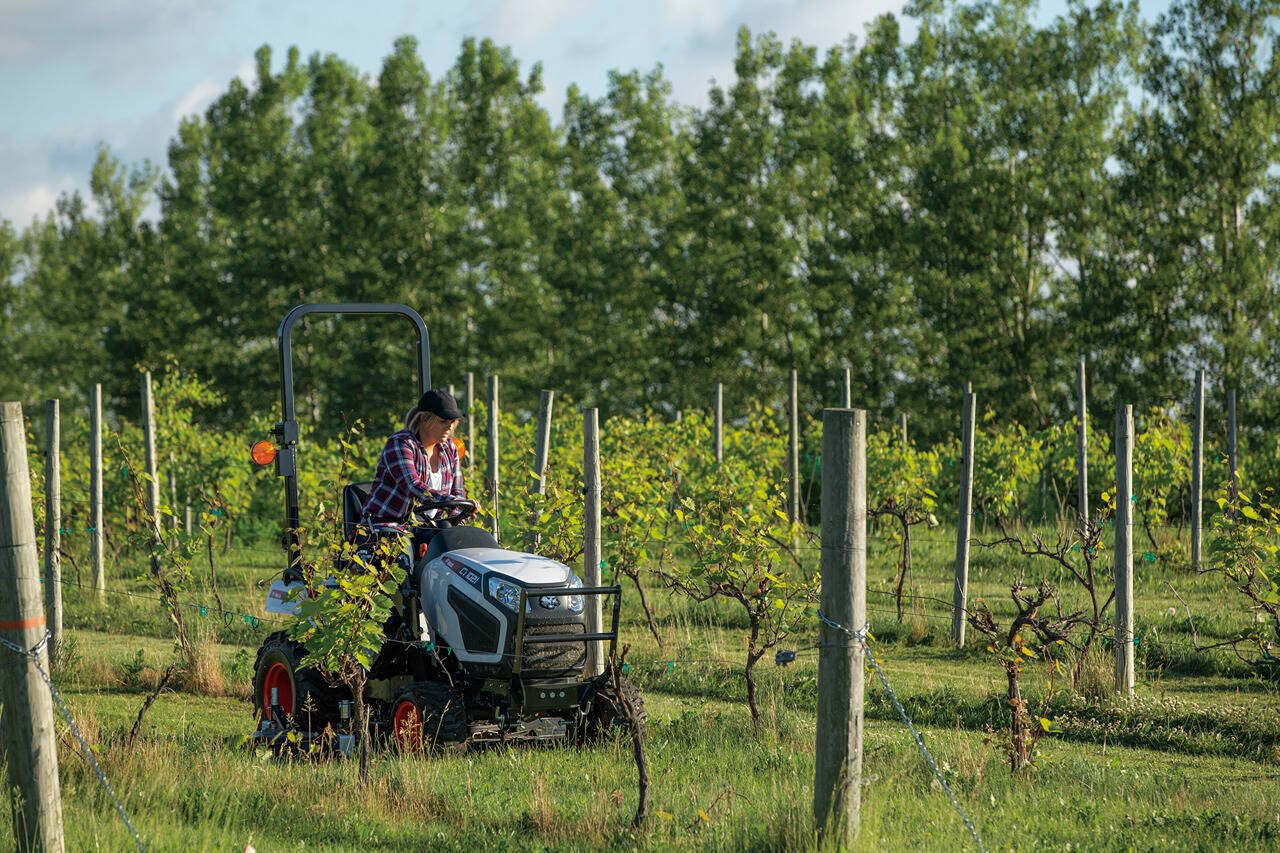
<point x="33" y="655"/>
<point x="861" y="637"/>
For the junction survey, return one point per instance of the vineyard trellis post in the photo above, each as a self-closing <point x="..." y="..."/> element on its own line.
<point x="542" y="449"/>
<point x="1082" y="442"/>
<point x="491" y="447"/>
<point x="1124" y="550"/>
<point x="173" y="490"/>
<point x="902" y="419"/>
<point x="964" y="518"/>
<point x="29" y="744"/>
<point x="1197" y="466"/>
<point x="153" y="479"/>
<point x="53" y="525"/>
<point x="837" y="787"/>
<point x="847" y="401"/>
<point x="719" y="422"/>
<point x="97" y="541"/>
<point x="793" y="499"/>
<point x="471" y="424"/>
<point x="1233" y="485"/>
<point x="591" y="570"/>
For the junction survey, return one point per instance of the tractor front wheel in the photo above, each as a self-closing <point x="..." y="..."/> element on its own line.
<point x="429" y="717"/>
<point x="607" y="708"/>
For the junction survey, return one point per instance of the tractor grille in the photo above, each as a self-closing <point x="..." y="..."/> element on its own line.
<point x="553" y="657"/>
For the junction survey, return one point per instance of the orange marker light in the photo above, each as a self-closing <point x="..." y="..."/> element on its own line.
<point x="262" y="453"/>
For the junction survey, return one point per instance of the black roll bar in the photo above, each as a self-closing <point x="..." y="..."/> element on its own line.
<point x="286" y="432"/>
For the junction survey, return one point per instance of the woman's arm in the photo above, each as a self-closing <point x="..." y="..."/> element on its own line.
<point x="403" y="468"/>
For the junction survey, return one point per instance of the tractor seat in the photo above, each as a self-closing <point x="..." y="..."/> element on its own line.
<point x="353" y="501"/>
<point x="455" y="538"/>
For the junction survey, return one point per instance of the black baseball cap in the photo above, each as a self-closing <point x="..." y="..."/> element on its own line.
<point x="440" y="403"/>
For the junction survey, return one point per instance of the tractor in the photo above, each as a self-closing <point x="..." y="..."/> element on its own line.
<point x="484" y="644"/>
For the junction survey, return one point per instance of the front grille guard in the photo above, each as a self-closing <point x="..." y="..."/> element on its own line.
<point x="587" y="592"/>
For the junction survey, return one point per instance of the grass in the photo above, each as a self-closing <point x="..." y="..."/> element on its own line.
<point x="1193" y="763"/>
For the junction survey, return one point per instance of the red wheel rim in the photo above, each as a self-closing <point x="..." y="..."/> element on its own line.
<point x="407" y="726"/>
<point x="279" y="678"/>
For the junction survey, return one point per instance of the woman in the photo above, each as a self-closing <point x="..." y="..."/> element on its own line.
<point x="420" y="462"/>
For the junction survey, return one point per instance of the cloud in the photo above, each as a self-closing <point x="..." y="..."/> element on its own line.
<point x="195" y="99"/>
<point x="121" y="38"/>
<point x="525" y="20"/>
<point x="24" y="204"/>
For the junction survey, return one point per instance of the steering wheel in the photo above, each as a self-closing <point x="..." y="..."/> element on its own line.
<point x="456" y="510"/>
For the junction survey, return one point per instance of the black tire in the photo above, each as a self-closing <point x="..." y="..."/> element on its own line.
<point x="606" y="713"/>
<point x="312" y="704"/>
<point x="430" y="716"/>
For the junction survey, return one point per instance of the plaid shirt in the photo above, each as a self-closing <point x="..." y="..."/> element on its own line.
<point x="403" y="477"/>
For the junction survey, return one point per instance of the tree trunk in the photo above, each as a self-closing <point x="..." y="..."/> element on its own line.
<point x="750" y="672"/>
<point x="1018" y="757"/>
<point x="362" y="718"/>
<point x="213" y="573"/>
<point x="648" y="614"/>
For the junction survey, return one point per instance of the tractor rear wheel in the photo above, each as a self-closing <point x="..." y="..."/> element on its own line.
<point x="301" y="692"/>
<point x="607" y="709"/>
<point x="430" y="716"/>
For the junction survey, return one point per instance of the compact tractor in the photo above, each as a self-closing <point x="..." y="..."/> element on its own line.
<point x="483" y="645"/>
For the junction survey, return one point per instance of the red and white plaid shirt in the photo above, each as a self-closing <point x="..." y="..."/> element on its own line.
<point x="403" y="476"/>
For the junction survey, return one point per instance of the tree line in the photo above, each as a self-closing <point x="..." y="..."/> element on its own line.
<point x="983" y="201"/>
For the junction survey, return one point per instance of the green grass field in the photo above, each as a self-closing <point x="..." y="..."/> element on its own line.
<point x="1192" y="763"/>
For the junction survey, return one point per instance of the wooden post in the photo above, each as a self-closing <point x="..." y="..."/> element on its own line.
<point x="719" y="422"/>
<point x="29" y="744"/>
<point x="97" y="553"/>
<point x="1124" y="550"/>
<point x="591" y="569"/>
<point x="1233" y="484"/>
<point x="1197" y="467"/>
<point x="189" y="518"/>
<point x="491" y="472"/>
<point x="793" y="501"/>
<point x="847" y="402"/>
<point x="964" y="520"/>
<point x="837" y="784"/>
<point x="153" y="475"/>
<point x="173" y="491"/>
<point x="471" y="424"/>
<point x="53" y="526"/>
<point x="1082" y="444"/>
<point x="542" y="448"/>
<point x="903" y="420"/>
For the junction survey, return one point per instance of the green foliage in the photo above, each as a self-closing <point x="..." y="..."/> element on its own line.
<point x="347" y="596"/>
<point x="1245" y="554"/>
<point x="734" y="554"/>
<point x="966" y="193"/>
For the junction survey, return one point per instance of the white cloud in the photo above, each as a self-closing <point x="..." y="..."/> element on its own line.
<point x="23" y="204"/>
<point x="524" y="20"/>
<point x="195" y="99"/>
<point x="694" y="17"/>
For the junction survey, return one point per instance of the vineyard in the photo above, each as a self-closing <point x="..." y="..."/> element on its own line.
<point x="721" y="622"/>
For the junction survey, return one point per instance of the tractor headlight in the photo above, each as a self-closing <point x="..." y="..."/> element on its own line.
<point x="574" y="602"/>
<point x="507" y="594"/>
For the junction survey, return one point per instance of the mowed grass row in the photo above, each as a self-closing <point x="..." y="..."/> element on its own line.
<point x="1193" y="763"/>
<point x="190" y="783"/>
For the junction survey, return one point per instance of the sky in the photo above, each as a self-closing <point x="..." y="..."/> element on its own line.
<point x="75" y="74"/>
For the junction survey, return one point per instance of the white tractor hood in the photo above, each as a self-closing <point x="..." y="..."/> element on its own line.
<point x="528" y="569"/>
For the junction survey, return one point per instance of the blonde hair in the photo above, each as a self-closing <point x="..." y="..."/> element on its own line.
<point x="414" y="420"/>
